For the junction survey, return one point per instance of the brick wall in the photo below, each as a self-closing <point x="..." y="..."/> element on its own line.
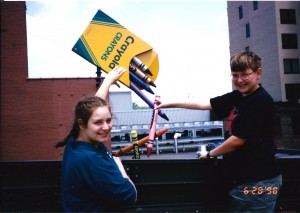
<point x="35" y="113"/>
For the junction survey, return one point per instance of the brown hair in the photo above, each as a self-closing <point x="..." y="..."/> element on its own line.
<point x="84" y="110"/>
<point x="245" y="60"/>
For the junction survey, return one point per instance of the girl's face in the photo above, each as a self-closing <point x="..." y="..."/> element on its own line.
<point x="98" y="127"/>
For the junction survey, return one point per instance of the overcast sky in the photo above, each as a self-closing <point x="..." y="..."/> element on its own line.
<point x="190" y="37"/>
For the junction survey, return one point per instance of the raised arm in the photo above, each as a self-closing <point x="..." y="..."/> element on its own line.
<point x="111" y="78"/>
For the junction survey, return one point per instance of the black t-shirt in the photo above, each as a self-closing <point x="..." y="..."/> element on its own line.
<point x="253" y="122"/>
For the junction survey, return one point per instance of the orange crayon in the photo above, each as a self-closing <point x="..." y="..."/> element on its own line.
<point x="140" y="142"/>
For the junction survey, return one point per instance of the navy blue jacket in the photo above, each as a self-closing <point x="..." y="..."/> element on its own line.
<point x="91" y="180"/>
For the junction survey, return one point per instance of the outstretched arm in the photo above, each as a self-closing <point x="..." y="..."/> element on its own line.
<point x="111" y="78"/>
<point x="186" y="105"/>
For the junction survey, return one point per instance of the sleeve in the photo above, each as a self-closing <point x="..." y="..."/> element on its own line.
<point x="222" y="105"/>
<point x="105" y="178"/>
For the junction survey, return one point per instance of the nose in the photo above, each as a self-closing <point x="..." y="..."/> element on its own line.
<point x="105" y="126"/>
<point x="239" y="79"/>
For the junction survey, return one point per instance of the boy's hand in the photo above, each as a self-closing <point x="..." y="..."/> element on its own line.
<point x="158" y="104"/>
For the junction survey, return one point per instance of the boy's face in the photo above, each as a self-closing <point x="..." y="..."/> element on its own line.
<point x="247" y="81"/>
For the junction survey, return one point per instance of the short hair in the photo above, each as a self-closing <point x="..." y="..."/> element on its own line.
<point x="241" y="61"/>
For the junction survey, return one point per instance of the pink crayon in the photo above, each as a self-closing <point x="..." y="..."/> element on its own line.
<point x="152" y="128"/>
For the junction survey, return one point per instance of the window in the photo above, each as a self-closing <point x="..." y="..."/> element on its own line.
<point x="291" y="66"/>
<point x="255" y="5"/>
<point x="292" y="92"/>
<point x="247" y="30"/>
<point x="287" y="16"/>
<point x="289" y="41"/>
<point x="247" y="49"/>
<point x="241" y="12"/>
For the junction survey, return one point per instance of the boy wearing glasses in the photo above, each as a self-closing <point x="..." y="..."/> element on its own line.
<point x="249" y="165"/>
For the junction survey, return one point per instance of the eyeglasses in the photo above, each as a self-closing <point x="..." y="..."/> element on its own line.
<point x="243" y="76"/>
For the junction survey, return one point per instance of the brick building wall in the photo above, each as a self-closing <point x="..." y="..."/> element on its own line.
<point x="35" y="113"/>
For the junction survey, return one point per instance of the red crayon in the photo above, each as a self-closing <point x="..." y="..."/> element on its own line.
<point x="153" y="127"/>
<point x="140" y="142"/>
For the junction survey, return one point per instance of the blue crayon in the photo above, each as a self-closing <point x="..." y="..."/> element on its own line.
<point x="147" y="100"/>
<point x="140" y="83"/>
<point x="141" y="65"/>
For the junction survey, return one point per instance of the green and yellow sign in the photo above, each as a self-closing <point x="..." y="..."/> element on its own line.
<point x="107" y="44"/>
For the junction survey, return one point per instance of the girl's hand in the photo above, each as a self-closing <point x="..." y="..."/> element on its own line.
<point x="111" y="78"/>
<point x="114" y="75"/>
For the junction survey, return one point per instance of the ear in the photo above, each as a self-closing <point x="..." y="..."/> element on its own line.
<point x="81" y="124"/>
<point x="259" y="73"/>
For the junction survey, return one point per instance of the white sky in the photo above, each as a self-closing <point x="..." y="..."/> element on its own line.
<point x="190" y="37"/>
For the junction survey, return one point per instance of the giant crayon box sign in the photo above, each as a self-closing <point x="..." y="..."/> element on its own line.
<point x="107" y="44"/>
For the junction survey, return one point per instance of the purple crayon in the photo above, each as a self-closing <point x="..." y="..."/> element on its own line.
<point x="147" y="100"/>
<point x="141" y="65"/>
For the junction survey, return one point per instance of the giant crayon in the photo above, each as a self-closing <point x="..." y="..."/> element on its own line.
<point x="140" y="83"/>
<point x="140" y="142"/>
<point x="141" y="65"/>
<point x="141" y="75"/>
<point x="153" y="127"/>
<point x="136" y="151"/>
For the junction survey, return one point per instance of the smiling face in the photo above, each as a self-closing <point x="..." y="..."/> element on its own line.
<point x="246" y="81"/>
<point x="245" y="71"/>
<point x="98" y="127"/>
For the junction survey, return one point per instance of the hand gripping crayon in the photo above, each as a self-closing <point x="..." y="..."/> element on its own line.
<point x="141" y="65"/>
<point x="152" y="128"/>
<point x="147" y="100"/>
<point x="140" y="142"/>
<point x="136" y="151"/>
